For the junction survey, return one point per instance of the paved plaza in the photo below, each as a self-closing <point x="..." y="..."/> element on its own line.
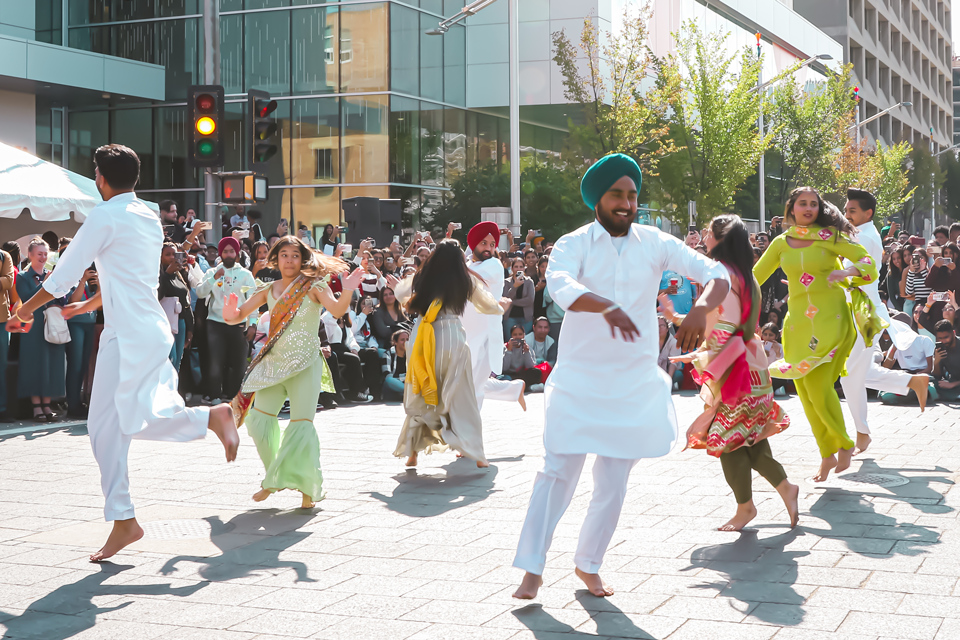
<point x="425" y="554"/>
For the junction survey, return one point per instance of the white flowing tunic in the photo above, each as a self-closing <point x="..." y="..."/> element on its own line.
<point x="608" y="396"/>
<point x="868" y="237"/>
<point x="485" y="331"/>
<point x="124" y="237"/>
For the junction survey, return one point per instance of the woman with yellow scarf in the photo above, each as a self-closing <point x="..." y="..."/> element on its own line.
<point x="439" y="396"/>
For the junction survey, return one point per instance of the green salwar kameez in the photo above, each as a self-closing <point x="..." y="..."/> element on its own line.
<point x="820" y="329"/>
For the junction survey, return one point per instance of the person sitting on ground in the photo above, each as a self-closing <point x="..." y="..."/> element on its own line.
<point x="521" y="291"/>
<point x="388" y="317"/>
<point x="518" y="361"/>
<point x="946" y="364"/>
<point x="542" y="346"/>
<point x="770" y="335"/>
<point x="395" y="367"/>
<point x="916" y="359"/>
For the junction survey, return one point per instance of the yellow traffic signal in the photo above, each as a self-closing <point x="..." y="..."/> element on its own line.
<point x="206" y="125"/>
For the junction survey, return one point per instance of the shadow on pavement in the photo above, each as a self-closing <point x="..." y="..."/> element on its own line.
<point x="764" y="571"/>
<point x="69" y="610"/>
<point x="237" y="562"/>
<point x="421" y="495"/>
<point x="610" y="620"/>
<point x="40" y="430"/>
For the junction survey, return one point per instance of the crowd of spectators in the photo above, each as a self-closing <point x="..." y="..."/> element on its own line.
<point x="366" y="349"/>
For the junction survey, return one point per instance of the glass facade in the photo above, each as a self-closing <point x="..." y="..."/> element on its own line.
<point x="369" y="104"/>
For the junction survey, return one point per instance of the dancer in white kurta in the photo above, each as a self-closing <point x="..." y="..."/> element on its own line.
<point x="863" y="370"/>
<point x="134" y="392"/>
<point x="607" y="396"/>
<point x="485" y="331"/>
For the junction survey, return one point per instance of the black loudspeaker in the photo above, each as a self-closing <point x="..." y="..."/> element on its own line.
<point x="371" y="218"/>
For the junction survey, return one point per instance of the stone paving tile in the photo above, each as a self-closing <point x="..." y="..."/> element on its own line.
<point x="426" y="553"/>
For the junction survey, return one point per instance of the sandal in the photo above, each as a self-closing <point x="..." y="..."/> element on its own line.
<point x="39" y="417"/>
<point x="49" y="417"/>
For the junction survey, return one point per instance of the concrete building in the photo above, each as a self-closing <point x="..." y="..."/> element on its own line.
<point x="369" y="104"/>
<point x="900" y="51"/>
<point x="956" y="100"/>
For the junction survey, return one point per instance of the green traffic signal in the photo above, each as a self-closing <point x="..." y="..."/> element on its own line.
<point x="206" y="148"/>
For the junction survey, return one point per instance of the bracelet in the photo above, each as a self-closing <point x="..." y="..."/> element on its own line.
<point x="612" y="307"/>
<point x="19" y="319"/>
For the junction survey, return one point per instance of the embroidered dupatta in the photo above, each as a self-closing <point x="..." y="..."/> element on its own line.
<point x="281" y="316"/>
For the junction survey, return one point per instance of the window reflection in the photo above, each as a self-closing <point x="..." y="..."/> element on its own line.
<point x="314" y="66"/>
<point x="231" y="53"/>
<point x="363" y="47"/>
<point x="431" y="144"/>
<point x="365" y="142"/>
<point x="313" y="207"/>
<point x="132" y="127"/>
<point x="267" y="52"/>
<point x="405" y="49"/>
<point x="315" y="142"/>
<point x="170" y="131"/>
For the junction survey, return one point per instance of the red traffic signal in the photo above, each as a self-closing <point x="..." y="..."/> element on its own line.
<point x="263" y="128"/>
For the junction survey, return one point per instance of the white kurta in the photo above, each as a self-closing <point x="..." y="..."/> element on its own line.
<point x="123" y="237"/>
<point x="608" y="396"/>
<point x="862" y="369"/>
<point x="484" y="331"/>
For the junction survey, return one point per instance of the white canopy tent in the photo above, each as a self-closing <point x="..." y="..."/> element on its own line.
<point x="46" y="192"/>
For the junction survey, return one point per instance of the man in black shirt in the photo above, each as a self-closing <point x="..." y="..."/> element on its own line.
<point x="172" y="229"/>
<point x="946" y="363"/>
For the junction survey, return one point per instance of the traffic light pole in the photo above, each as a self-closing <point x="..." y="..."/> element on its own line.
<point x="211" y="75"/>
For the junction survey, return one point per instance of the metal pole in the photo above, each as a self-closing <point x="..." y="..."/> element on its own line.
<point x="514" y="21"/>
<point x="933" y="190"/>
<point x="857" y="111"/>
<point x="763" y="186"/>
<point x="211" y="75"/>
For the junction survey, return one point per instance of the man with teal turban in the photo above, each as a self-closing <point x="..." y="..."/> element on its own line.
<point x="607" y="396"/>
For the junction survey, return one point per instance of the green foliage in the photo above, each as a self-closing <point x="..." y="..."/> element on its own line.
<point x="926" y="178"/>
<point x="713" y="118"/>
<point x="951" y="170"/>
<point x="549" y="199"/>
<point x="809" y="124"/>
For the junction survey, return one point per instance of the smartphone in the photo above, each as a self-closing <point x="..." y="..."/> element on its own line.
<point x="947" y="260"/>
<point x="692" y="229"/>
<point x="457" y="225"/>
<point x="244" y="234"/>
<point x="915" y="260"/>
<point x="934" y="251"/>
<point x="396" y="239"/>
<point x="180" y="256"/>
<point x="407" y="261"/>
<point x="940" y="296"/>
<point x="347" y="248"/>
<point x="517" y="274"/>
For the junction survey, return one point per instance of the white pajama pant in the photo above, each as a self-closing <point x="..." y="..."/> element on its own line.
<point x="552" y="492"/>
<point x="864" y="372"/>
<point x="111" y="445"/>
<point x="487" y="387"/>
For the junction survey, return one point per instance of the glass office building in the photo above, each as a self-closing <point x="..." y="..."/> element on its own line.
<point x="369" y="104"/>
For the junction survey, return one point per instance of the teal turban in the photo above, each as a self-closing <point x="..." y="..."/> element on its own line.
<point x="603" y="173"/>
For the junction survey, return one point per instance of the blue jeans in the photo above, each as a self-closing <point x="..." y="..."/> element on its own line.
<point x="176" y="353"/>
<point x="392" y="389"/>
<point x="508" y="323"/>
<point x="78" y="361"/>
<point x="4" y="348"/>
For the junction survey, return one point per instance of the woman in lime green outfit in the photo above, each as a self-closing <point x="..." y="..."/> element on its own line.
<point x="290" y="365"/>
<point x="820" y="327"/>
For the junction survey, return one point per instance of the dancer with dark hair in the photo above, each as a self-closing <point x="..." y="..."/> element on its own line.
<point x="439" y="396"/>
<point x="290" y="365"/>
<point x="739" y="410"/>
<point x="821" y="326"/>
<point x="135" y="385"/>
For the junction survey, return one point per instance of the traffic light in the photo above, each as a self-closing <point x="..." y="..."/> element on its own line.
<point x="263" y="128"/>
<point x="205" y="103"/>
<point x="856" y="94"/>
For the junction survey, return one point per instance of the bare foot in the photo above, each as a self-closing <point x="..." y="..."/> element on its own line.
<point x="261" y="495"/>
<point x="221" y="423"/>
<point x="863" y="441"/>
<point x="745" y="513"/>
<point x="844" y="456"/>
<point x="826" y="466"/>
<point x="920" y="385"/>
<point x="307" y="502"/>
<point x="594" y="584"/>
<point x="791" y="500"/>
<point x="125" y="532"/>
<point x="482" y="465"/>
<point x="528" y="587"/>
<point x="521" y="399"/>
<point x="412" y="460"/>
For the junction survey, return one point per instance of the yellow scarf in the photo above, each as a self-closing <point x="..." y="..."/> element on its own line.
<point x="421" y="368"/>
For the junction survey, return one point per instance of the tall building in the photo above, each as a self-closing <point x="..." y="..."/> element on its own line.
<point x="956" y="100"/>
<point x="370" y="104"/>
<point x="900" y="51"/>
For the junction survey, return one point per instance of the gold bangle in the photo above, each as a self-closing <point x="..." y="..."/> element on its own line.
<point x="16" y="315"/>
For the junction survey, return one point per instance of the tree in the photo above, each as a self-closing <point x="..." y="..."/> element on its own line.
<point x="713" y="120"/>
<point x="619" y="117"/>
<point x="926" y="178"/>
<point x="951" y="171"/>
<point x="808" y="126"/>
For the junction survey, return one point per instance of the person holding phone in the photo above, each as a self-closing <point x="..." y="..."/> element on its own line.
<point x="942" y="277"/>
<point x="329" y="239"/>
<point x="518" y="361"/>
<point x="174" y="296"/>
<point x="916" y="280"/>
<point x="946" y="363"/>
<point x="521" y="291"/>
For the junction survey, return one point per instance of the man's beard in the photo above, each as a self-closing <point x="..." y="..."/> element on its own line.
<point x="484" y="255"/>
<point x="229" y="262"/>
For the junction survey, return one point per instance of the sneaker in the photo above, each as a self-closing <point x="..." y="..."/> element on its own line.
<point x="536" y="388"/>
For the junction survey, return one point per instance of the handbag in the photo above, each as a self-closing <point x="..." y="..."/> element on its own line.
<point x="55" y="329"/>
<point x="545" y="369"/>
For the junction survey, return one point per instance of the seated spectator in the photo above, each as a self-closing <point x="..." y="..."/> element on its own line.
<point x="518" y="361"/>
<point x="539" y="306"/>
<point x="388" y="317"/>
<point x="395" y="367"/>
<point x="362" y="323"/>
<point x="946" y="364"/>
<point x="917" y="359"/>
<point x="351" y="383"/>
<point x="770" y="335"/>
<point x="42" y="366"/>
<point x="680" y="290"/>
<point x="943" y="277"/>
<point x="669" y="349"/>
<point x="916" y="281"/>
<point x="542" y="346"/>
<point x="521" y="291"/>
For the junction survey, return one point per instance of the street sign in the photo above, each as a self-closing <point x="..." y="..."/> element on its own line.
<point x="244" y="189"/>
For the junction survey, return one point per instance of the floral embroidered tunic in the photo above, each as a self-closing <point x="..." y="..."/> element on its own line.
<point x="819" y="316"/>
